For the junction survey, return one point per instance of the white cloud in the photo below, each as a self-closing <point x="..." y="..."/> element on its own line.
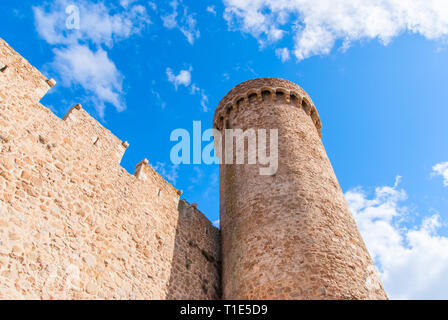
<point x="185" y="22"/>
<point x="282" y="54"/>
<point x="126" y="3"/>
<point x="77" y="64"/>
<point x="194" y="89"/>
<point x="317" y="25"/>
<point x="183" y="78"/>
<point x="152" y="5"/>
<point x="80" y="58"/>
<point x="441" y="169"/>
<point x="413" y="262"/>
<point x="97" y="25"/>
<point x="212" y="10"/>
<point x="204" y="101"/>
<point x="204" y="98"/>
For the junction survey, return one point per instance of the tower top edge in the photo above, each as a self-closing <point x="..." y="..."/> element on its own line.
<point x="246" y="88"/>
<point x="259" y="84"/>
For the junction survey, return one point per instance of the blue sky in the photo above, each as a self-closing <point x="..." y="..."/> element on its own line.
<point x="377" y="72"/>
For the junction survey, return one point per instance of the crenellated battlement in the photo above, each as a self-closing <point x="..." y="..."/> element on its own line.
<point x="20" y="81"/>
<point x="144" y="172"/>
<point x="103" y="142"/>
<point x="255" y="91"/>
<point x="19" y="77"/>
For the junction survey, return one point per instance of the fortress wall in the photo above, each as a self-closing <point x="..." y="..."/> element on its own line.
<point x="197" y="256"/>
<point x="73" y="223"/>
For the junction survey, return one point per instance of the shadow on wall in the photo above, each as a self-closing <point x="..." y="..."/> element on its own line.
<point x="196" y="264"/>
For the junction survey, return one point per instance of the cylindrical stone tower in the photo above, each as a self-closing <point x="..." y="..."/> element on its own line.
<point x="289" y="235"/>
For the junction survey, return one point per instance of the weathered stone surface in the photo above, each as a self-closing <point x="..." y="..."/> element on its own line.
<point x="73" y="223"/>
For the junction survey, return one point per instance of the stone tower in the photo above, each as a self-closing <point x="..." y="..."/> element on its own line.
<point x="289" y="235"/>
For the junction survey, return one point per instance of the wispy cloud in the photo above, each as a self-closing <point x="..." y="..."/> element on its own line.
<point x="77" y="64"/>
<point x="441" y="169"/>
<point x="282" y="54"/>
<point x="152" y="5"/>
<point x="98" y="25"/>
<point x="184" y="78"/>
<point x="204" y="101"/>
<point x="211" y="9"/>
<point x="315" y="26"/>
<point x="226" y="76"/>
<point x="413" y="262"/>
<point x="125" y="3"/>
<point x="204" y="98"/>
<point x="185" y="22"/>
<point x="157" y="96"/>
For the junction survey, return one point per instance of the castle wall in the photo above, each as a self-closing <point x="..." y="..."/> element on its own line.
<point x="73" y="223"/>
<point x="197" y="257"/>
<point x="289" y="235"/>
